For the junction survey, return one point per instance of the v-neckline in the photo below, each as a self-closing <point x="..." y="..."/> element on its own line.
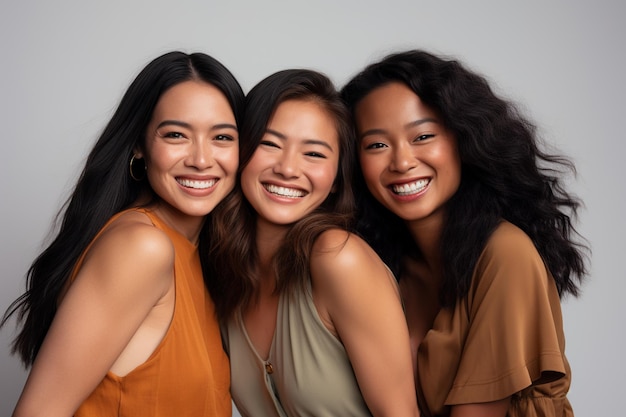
<point x="253" y="348"/>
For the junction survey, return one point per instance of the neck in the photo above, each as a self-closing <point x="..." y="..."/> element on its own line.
<point x="269" y="237"/>
<point x="188" y="226"/>
<point x="426" y="234"/>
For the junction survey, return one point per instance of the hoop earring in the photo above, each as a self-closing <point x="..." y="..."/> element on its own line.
<point x="130" y="168"/>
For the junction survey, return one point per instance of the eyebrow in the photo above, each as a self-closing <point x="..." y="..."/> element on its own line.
<point x="188" y="126"/>
<point x="406" y="126"/>
<point x="421" y="121"/>
<point x="306" y="141"/>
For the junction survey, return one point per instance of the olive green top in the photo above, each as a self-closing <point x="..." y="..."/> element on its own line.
<point x="307" y="373"/>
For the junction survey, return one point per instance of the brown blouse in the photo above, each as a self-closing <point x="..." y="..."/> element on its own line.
<point x="504" y="339"/>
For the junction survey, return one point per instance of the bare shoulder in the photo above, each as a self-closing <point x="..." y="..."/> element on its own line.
<point x="341" y="255"/>
<point x="131" y="246"/>
<point x="342" y="247"/>
<point x="348" y="278"/>
<point x="134" y="235"/>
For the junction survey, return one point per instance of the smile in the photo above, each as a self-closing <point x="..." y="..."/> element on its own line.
<point x="410" y="188"/>
<point x="284" y="191"/>
<point x="196" y="184"/>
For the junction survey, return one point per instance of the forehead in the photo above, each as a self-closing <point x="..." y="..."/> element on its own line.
<point x="300" y="107"/>
<point x="391" y="102"/>
<point x="189" y="97"/>
<point x="300" y="118"/>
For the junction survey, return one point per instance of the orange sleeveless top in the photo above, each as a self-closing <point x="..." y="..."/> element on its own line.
<point x="188" y="373"/>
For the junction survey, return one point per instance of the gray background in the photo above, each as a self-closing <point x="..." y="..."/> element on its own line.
<point x="65" y="65"/>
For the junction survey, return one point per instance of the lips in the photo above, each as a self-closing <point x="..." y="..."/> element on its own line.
<point x="197" y="184"/>
<point x="410" y="188"/>
<point x="284" y="191"/>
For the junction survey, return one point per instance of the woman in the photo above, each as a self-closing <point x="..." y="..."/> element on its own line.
<point x="473" y="218"/>
<point x="314" y="324"/>
<point x="117" y="320"/>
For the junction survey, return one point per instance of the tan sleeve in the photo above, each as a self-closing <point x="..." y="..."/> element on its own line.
<point x="515" y="335"/>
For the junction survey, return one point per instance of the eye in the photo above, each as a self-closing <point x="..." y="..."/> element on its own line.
<point x="171" y="134"/>
<point x="268" y="143"/>
<point x="315" y="154"/>
<point x="375" y="145"/>
<point x="224" y="138"/>
<point x="423" y="137"/>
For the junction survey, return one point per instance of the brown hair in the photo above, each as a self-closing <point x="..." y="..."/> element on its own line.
<point x="231" y="274"/>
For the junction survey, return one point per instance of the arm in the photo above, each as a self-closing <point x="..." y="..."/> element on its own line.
<point x="356" y="295"/>
<point x="125" y="273"/>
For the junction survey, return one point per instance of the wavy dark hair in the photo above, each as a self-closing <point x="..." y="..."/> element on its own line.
<point x="231" y="274"/>
<point x="105" y="187"/>
<point x="505" y="175"/>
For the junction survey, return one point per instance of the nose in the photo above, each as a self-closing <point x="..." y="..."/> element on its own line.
<point x="200" y="154"/>
<point x="403" y="158"/>
<point x="287" y="165"/>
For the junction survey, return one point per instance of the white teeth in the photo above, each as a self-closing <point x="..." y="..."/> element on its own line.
<point x="201" y="185"/>
<point x="412" y="188"/>
<point x="283" y="191"/>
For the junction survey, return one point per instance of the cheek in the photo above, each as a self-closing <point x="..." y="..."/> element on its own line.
<point x="330" y="180"/>
<point x="327" y="176"/>
<point x="163" y="158"/>
<point x="229" y="160"/>
<point x="155" y="166"/>
<point x="247" y="178"/>
<point x="370" y="167"/>
<point x="455" y="172"/>
<point x="453" y="160"/>
<point x="254" y="166"/>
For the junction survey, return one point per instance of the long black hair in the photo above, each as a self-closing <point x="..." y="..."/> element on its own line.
<point x="505" y="175"/>
<point x="231" y="275"/>
<point x="105" y="187"/>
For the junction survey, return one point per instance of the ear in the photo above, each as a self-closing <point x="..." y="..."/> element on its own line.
<point x="137" y="152"/>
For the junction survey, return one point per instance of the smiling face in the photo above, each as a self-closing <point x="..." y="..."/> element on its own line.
<point x="191" y="151"/>
<point x="409" y="160"/>
<point x="293" y="169"/>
